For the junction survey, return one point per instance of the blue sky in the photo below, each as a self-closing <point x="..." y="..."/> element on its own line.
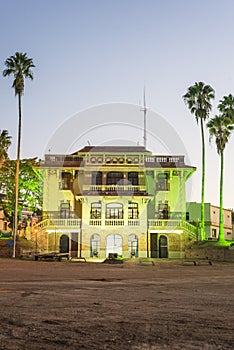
<point x="93" y="52"/>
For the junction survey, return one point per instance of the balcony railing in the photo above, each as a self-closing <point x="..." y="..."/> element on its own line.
<point x="133" y="222"/>
<point x="58" y="223"/>
<point x="164" y="160"/>
<point x="95" y="222"/>
<point x="114" y="189"/>
<point x="174" y="224"/>
<point x="58" y="215"/>
<point x="114" y="222"/>
<point x="154" y="223"/>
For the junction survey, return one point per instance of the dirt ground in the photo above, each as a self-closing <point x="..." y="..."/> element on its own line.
<point x="85" y="306"/>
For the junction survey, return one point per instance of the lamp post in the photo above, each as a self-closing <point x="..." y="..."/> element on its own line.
<point x="198" y="229"/>
<point x="35" y="231"/>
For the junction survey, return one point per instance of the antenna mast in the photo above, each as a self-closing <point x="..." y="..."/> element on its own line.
<point x="145" y="112"/>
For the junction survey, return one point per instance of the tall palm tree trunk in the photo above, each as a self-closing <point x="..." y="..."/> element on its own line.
<point x="221" y="224"/>
<point x="17" y="179"/>
<point x="203" y="237"/>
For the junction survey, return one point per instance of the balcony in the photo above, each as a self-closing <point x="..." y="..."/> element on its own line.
<point x="114" y="222"/>
<point x="114" y="190"/>
<point x="164" y="161"/>
<point x="171" y="225"/>
<point x="57" y="224"/>
<point x="95" y="222"/>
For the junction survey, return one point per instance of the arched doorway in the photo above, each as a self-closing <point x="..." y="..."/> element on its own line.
<point x="64" y="244"/>
<point x="114" y="244"/>
<point x="163" y="247"/>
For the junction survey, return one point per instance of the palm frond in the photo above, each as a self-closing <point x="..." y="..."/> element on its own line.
<point x="198" y="99"/>
<point x="220" y="127"/>
<point x="20" y="67"/>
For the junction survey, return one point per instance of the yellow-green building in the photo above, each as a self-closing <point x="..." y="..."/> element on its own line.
<point x="114" y="199"/>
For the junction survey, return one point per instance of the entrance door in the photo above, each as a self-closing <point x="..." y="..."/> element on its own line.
<point x="74" y="244"/>
<point x="114" y="244"/>
<point x="64" y="244"/>
<point x="153" y="245"/>
<point x="163" y="249"/>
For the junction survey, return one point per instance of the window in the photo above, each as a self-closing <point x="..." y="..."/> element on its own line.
<point x="133" y="212"/>
<point x="97" y="178"/>
<point x="133" y="178"/>
<point x="96" y="210"/>
<point x="114" y="211"/>
<point x="66" y="180"/>
<point x="163" y="211"/>
<point x="162" y="183"/>
<point x="64" y="210"/>
<point x="133" y="245"/>
<point x="213" y="232"/>
<point x="114" y="177"/>
<point x="95" y="245"/>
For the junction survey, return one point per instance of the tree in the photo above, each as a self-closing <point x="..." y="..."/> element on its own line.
<point x="20" y="67"/>
<point x="198" y="99"/>
<point x="221" y="127"/>
<point x="5" y="142"/>
<point x="226" y="106"/>
<point x="30" y="188"/>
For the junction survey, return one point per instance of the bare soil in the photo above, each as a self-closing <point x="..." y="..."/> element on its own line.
<point x="85" y="306"/>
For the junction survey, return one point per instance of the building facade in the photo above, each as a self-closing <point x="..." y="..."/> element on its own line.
<point x="114" y="199"/>
<point x="211" y="219"/>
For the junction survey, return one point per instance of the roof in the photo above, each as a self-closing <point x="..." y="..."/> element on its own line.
<point x="113" y="149"/>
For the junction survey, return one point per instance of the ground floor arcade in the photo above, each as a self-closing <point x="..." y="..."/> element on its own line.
<point x="99" y="244"/>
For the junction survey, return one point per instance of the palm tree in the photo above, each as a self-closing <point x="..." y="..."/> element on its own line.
<point x="226" y="106"/>
<point x="19" y="66"/>
<point x="198" y="99"/>
<point x="5" y="142"/>
<point x="221" y="128"/>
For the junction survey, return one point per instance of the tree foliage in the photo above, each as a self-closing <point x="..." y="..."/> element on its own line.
<point x="198" y="99"/>
<point x="220" y="128"/>
<point x="5" y="142"/>
<point x="30" y="187"/>
<point x="19" y="66"/>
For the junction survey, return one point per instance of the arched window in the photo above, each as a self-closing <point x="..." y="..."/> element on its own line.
<point x="114" y="211"/>
<point x="95" y="245"/>
<point x="163" y="247"/>
<point x="96" y="210"/>
<point x="133" y="245"/>
<point x="64" y="210"/>
<point x="163" y="182"/>
<point x="114" y="177"/>
<point x="66" y="180"/>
